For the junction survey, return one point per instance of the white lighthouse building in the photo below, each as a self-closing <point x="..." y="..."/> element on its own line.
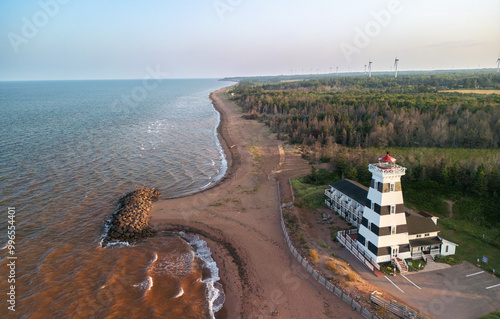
<point x="383" y="230"/>
<point x="386" y="230"/>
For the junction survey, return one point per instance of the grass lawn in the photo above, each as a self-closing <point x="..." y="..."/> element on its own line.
<point x="468" y="235"/>
<point x="310" y="196"/>
<point x="428" y="196"/>
<point x="471" y="249"/>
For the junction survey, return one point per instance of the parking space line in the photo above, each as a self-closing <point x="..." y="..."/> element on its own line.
<point x="411" y="282"/>
<point x="492" y="286"/>
<point x="476" y="273"/>
<point x="394" y="284"/>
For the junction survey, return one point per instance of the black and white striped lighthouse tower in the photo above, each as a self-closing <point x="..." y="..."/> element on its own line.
<point x="383" y="233"/>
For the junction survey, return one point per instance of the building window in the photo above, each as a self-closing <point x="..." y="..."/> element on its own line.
<point x="393" y="230"/>
<point x="393" y="209"/>
<point x="369" y="225"/>
<point x="446" y="248"/>
<point x="392" y="187"/>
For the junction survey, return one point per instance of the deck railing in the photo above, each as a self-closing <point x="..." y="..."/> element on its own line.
<point x="352" y="246"/>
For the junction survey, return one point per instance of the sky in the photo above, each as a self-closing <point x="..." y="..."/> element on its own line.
<point x="124" y="39"/>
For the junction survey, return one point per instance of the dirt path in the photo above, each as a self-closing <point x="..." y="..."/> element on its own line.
<point x="450" y="205"/>
<point x="240" y="220"/>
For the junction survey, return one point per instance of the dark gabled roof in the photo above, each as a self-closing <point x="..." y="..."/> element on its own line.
<point x="426" y="214"/>
<point x="420" y="225"/>
<point x="352" y="189"/>
<point x="425" y="241"/>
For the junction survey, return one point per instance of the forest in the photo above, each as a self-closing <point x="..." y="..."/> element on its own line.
<point x="449" y="142"/>
<point x="378" y="112"/>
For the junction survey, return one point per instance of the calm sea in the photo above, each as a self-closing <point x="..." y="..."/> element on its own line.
<point x="68" y="151"/>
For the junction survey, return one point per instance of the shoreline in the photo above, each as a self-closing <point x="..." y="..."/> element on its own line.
<point x="217" y="246"/>
<point x="238" y="217"/>
<point x="231" y="155"/>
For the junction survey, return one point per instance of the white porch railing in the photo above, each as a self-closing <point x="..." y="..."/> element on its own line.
<point x="351" y="245"/>
<point x="435" y="252"/>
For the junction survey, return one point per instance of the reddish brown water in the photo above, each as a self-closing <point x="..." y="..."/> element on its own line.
<point x="66" y="158"/>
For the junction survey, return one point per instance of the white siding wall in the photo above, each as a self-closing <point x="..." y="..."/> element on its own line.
<point x="365" y="232"/>
<point x="383" y="199"/>
<point x="397" y="239"/>
<point x="451" y="248"/>
<point x="431" y="234"/>
<point x="392" y="219"/>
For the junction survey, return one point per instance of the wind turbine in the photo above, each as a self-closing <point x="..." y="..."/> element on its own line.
<point x="396" y="67"/>
<point x="498" y="64"/>
<point x="370" y="69"/>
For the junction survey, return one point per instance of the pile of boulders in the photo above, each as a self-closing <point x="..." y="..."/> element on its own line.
<point x="131" y="221"/>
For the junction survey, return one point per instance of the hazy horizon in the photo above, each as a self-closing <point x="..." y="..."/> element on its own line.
<point x="69" y="40"/>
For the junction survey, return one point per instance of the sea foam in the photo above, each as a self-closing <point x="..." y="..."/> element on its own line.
<point x="215" y="293"/>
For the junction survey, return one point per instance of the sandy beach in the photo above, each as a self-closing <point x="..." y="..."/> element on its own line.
<point x="239" y="218"/>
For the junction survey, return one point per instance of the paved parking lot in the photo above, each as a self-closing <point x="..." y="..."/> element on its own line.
<point x="461" y="291"/>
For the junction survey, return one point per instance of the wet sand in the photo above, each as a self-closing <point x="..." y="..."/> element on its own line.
<point x="239" y="219"/>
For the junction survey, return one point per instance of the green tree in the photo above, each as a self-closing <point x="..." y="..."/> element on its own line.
<point x="352" y="173"/>
<point x="480" y="182"/>
<point x="340" y="164"/>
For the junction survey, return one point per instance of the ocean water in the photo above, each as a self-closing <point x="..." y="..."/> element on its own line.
<point x="68" y="151"/>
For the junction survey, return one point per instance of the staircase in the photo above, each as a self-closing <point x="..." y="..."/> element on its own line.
<point x="400" y="264"/>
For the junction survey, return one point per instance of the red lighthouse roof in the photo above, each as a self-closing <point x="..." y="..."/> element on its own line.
<point x="387" y="159"/>
<point x="386" y="162"/>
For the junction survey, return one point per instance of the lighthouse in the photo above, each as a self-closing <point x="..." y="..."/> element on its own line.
<point x="383" y="233"/>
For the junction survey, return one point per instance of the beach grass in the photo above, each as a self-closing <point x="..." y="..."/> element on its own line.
<point x="313" y="254"/>
<point x="310" y="196"/>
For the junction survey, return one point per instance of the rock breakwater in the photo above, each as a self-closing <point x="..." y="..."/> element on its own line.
<point x="131" y="221"/>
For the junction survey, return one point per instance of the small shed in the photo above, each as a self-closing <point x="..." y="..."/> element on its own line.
<point x="448" y="247"/>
